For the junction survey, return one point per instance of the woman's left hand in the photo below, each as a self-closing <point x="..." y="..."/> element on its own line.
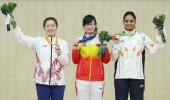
<point x="58" y="50"/>
<point x="157" y="31"/>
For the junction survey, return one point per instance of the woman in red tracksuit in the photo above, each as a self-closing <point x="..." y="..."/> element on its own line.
<point x="90" y="70"/>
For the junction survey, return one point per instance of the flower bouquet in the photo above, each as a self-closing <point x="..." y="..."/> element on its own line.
<point x="103" y="36"/>
<point x="159" y="23"/>
<point x="7" y="9"/>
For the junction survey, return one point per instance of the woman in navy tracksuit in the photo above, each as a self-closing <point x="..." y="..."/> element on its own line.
<point x="129" y="54"/>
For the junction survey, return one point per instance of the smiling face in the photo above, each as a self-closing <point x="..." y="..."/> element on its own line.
<point x="89" y="24"/>
<point x="90" y="28"/>
<point x="50" y="28"/>
<point x="129" y="22"/>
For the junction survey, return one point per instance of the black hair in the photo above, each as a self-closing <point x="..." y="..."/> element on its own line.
<point x="88" y="19"/>
<point x="129" y="13"/>
<point x="50" y="18"/>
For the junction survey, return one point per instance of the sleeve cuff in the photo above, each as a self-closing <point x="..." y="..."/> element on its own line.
<point x="158" y="39"/>
<point x="116" y="47"/>
<point x="17" y="29"/>
<point x="62" y="59"/>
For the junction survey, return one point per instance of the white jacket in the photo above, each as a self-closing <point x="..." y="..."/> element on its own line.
<point x="128" y="54"/>
<point x="43" y="58"/>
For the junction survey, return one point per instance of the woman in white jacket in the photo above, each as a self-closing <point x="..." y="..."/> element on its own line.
<point x="129" y="54"/>
<point x="51" y="58"/>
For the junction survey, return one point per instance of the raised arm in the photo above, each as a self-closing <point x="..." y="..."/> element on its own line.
<point x="153" y="47"/>
<point x="24" y="40"/>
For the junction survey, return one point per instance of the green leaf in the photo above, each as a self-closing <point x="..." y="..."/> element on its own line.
<point x="13" y="23"/>
<point x="5" y="9"/>
<point x="12" y="6"/>
<point x="163" y="38"/>
<point x="102" y="50"/>
<point x="159" y="20"/>
<point x="103" y="35"/>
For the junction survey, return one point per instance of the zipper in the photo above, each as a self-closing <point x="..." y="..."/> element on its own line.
<point x="79" y="66"/>
<point x="90" y="70"/>
<point x="51" y="62"/>
<point x="101" y="68"/>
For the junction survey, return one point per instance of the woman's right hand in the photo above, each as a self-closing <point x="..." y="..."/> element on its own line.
<point x="76" y="44"/>
<point x="115" y="38"/>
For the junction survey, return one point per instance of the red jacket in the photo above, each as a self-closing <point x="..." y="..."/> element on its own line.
<point x="89" y="65"/>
